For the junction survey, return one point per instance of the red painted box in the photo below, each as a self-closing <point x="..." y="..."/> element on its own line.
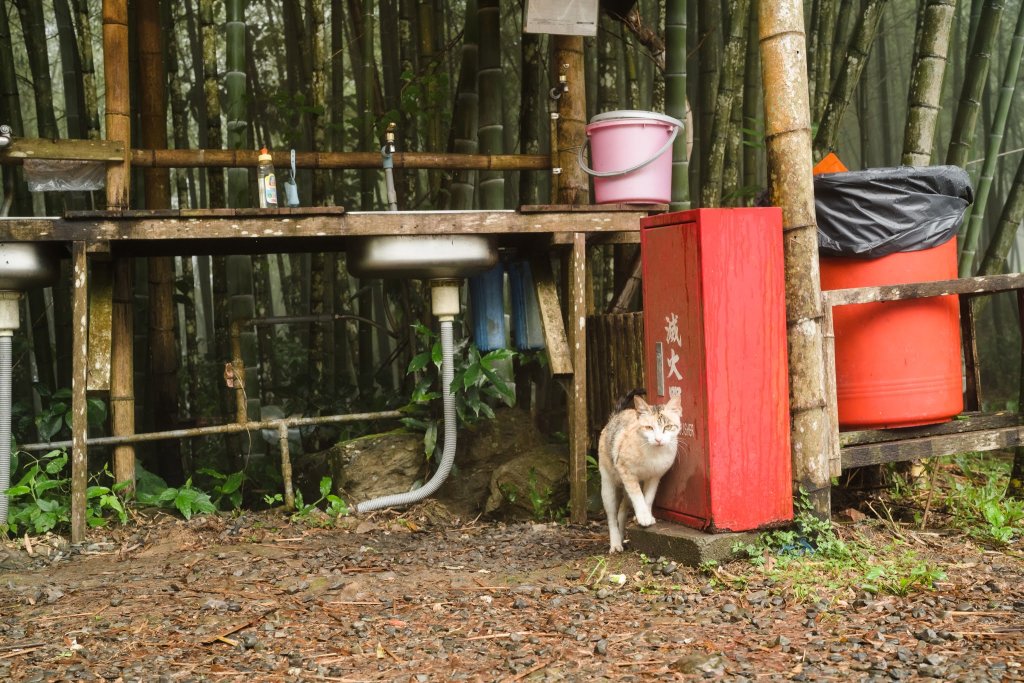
<point x="715" y="330"/>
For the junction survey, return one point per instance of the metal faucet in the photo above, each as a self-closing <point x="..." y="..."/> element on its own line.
<point x="6" y="134"/>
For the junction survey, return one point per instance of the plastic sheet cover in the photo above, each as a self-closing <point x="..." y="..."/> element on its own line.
<point x="881" y="211"/>
<point x="62" y="175"/>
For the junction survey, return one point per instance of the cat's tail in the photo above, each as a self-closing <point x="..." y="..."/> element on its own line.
<point x="627" y="400"/>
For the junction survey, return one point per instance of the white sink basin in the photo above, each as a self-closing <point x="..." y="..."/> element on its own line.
<point x="24" y="265"/>
<point x="420" y="256"/>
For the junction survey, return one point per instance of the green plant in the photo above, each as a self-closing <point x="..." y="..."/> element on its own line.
<point x="476" y="384"/>
<point x="810" y="556"/>
<point x="978" y="502"/>
<point x="55" y="416"/>
<point x="310" y="512"/>
<point x="40" y="500"/>
<point x="226" y="487"/>
<point x="186" y="499"/>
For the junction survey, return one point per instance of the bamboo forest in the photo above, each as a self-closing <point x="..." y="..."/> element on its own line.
<point x="479" y="115"/>
<point x="519" y="340"/>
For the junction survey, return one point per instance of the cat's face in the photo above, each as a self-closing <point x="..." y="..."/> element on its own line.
<point x="659" y="425"/>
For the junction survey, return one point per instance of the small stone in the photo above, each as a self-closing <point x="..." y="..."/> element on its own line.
<point x="603" y="593"/>
<point x="520" y="604"/>
<point x="934" y="659"/>
<point x="601" y="648"/>
<point x="669" y="569"/>
<point x="780" y="641"/>
<point x="729" y="608"/>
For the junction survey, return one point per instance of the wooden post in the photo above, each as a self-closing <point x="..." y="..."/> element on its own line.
<point x="573" y="183"/>
<point x="578" y="432"/>
<point x="122" y="378"/>
<point x="790" y="182"/>
<point x="118" y="124"/>
<point x="79" y="368"/>
<point x="574" y="188"/>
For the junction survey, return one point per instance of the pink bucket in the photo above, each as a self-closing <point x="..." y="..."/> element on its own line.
<point x="632" y="156"/>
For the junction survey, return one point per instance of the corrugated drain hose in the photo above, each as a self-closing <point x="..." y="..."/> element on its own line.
<point x="5" y="423"/>
<point x="448" y="454"/>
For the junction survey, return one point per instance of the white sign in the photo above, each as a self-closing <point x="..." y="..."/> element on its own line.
<point x="561" y="17"/>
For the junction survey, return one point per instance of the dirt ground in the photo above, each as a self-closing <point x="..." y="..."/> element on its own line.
<point x="419" y="597"/>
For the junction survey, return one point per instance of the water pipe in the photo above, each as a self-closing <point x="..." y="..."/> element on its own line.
<point x="8" y="323"/>
<point x="444" y="295"/>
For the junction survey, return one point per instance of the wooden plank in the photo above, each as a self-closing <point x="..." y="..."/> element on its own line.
<point x="578" y="434"/>
<point x="79" y="412"/>
<point x="969" y="341"/>
<point x="559" y="358"/>
<point x="835" y="463"/>
<point x="574" y="208"/>
<point x="101" y="305"/>
<point x="932" y="446"/>
<point x="986" y="284"/>
<point x="122" y="371"/>
<point x="968" y="422"/>
<point x="71" y="150"/>
<point x="265" y="225"/>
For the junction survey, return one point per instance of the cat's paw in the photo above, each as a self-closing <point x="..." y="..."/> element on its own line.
<point x="644" y="518"/>
<point x="615" y="548"/>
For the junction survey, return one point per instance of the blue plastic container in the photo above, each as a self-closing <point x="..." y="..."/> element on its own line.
<point x="527" y="329"/>
<point x="487" y="308"/>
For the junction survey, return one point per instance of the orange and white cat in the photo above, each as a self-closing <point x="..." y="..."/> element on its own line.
<point x="637" y="447"/>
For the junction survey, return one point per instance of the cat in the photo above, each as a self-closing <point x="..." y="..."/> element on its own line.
<point x="636" y="448"/>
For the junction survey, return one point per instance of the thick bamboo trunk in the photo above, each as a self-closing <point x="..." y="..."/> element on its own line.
<point x="788" y="140"/>
<point x="845" y="85"/>
<point x="675" y="99"/>
<point x="729" y="80"/>
<point x="966" y="122"/>
<point x="533" y="117"/>
<point x="466" y="115"/>
<point x="211" y="91"/>
<point x="83" y="24"/>
<point x="162" y="378"/>
<point x="338" y="81"/>
<point x="573" y="183"/>
<point x="923" y="102"/>
<point x="995" y="143"/>
<point x="118" y="128"/>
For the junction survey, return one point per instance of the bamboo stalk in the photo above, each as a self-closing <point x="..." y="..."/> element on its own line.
<point x="675" y="99"/>
<point x="925" y="90"/>
<point x="788" y="140"/>
<point x="995" y="142"/>
<point x="118" y="108"/>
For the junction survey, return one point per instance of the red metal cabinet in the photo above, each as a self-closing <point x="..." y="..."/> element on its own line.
<point x="715" y="330"/>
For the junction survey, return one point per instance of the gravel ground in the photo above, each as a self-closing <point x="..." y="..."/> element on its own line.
<point x="419" y="598"/>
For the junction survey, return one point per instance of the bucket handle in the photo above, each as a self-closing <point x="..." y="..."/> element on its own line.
<point x="607" y="174"/>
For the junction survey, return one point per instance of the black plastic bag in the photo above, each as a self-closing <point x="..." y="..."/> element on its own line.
<point x="881" y="211"/>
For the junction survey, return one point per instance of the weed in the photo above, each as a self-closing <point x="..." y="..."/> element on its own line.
<point x="186" y="499"/>
<point x="40" y="500"/>
<point x="476" y="384"/>
<point x="310" y="513"/>
<point x="810" y="557"/>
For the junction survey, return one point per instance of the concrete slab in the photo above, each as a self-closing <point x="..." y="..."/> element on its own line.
<point x="683" y="544"/>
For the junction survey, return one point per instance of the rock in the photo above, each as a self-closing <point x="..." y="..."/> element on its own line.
<point x="482" y="448"/>
<point x="365" y="468"/>
<point x="534" y="485"/>
<point x="850" y="515"/>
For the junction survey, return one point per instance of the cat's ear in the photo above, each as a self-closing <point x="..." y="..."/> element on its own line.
<point x="675" y="403"/>
<point x="641" y="405"/>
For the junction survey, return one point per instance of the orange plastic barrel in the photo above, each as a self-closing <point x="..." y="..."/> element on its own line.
<point x="897" y="362"/>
